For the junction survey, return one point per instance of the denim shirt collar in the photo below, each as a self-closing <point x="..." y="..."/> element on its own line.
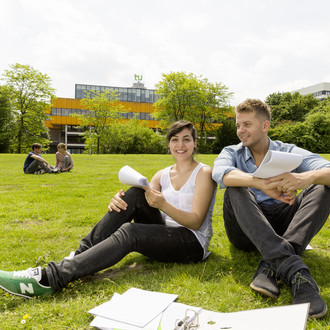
<point x="248" y="154"/>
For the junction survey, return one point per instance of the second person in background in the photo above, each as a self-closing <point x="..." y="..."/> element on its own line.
<point x="64" y="162"/>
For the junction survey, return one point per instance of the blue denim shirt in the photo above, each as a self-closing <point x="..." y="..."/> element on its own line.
<point x="240" y="157"/>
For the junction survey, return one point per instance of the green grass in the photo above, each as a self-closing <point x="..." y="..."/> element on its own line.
<point x="44" y="217"/>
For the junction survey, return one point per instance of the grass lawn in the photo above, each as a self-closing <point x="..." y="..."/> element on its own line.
<point x="43" y="218"/>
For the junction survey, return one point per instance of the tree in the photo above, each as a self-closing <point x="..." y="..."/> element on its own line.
<point x="312" y="134"/>
<point x="225" y="136"/>
<point x="6" y="119"/>
<point x="103" y="109"/>
<point x="192" y="98"/>
<point x="132" y="137"/>
<point x="290" y="107"/>
<point x="31" y="94"/>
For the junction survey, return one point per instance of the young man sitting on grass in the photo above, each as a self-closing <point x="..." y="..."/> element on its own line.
<point x="35" y="164"/>
<point x="267" y="214"/>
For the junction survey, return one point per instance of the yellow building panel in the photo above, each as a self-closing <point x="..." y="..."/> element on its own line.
<point x="138" y="107"/>
<point x="64" y="120"/>
<point x="66" y="103"/>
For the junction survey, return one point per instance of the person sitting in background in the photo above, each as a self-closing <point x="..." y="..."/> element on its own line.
<point x="172" y="223"/>
<point x="64" y="162"/>
<point x="35" y="164"/>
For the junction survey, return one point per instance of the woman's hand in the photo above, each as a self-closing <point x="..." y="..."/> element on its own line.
<point x="116" y="203"/>
<point x="154" y="198"/>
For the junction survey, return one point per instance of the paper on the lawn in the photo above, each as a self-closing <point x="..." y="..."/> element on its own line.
<point x="103" y="323"/>
<point x="276" y="163"/>
<point x="129" y="176"/>
<point x="166" y="320"/>
<point x="136" y="307"/>
<point x="293" y="317"/>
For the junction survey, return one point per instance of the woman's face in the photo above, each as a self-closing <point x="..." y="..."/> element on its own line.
<point x="182" y="144"/>
<point x="61" y="150"/>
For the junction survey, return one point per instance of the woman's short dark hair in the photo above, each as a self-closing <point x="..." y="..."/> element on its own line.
<point x="180" y="125"/>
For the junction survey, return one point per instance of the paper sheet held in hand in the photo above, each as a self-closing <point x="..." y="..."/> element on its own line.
<point x="129" y="176"/>
<point x="276" y="163"/>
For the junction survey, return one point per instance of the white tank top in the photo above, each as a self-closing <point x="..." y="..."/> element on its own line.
<point x="183" y="200"/>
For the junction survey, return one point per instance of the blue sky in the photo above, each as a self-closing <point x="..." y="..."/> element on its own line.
<point x="254" y="47"/>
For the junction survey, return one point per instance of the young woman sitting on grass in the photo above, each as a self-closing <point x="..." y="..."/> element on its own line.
<point x="172" y="223"/>
<point x="64" y="162"/>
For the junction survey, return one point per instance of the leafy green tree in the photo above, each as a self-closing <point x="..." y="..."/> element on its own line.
<point x="312" y="134"/>
<point x="6" y="120"/>
<point x="323" y="106"/>
<point x="189" y="97"/>
<point x="132" y="137"/>
<point x="31" y="94"/>
<point x="103" y="109"/>
<point x="290" y="107"/>
<point x="225" y="135"/>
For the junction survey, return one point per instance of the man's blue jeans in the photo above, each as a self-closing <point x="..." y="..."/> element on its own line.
<point x="280" y="232"/>
<point x="115" y="236"/>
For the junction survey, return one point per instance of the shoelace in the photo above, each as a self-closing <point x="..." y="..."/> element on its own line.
<point x="22" y="273"/>
<point x="268" y="271"/>
<point x="298" y="279"/>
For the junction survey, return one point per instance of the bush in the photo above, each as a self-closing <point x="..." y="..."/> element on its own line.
<point x="130" y="138"/>
<point x="312" y="134"/>
<point x="225" y="135"/>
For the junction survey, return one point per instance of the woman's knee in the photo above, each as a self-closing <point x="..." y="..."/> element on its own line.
<point x="134" y="192"/>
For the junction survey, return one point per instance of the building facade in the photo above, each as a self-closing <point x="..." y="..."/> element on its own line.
<point x="320" y="91"/>
<point x="63" y="127"/>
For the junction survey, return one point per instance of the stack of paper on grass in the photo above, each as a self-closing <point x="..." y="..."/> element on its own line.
<point x="135" y="309"/>
<point x="140" y="309"/>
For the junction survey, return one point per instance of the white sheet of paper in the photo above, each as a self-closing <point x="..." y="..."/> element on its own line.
<point x="276" y="163"/>
<point x="136" y="307"/>
<point x="293" y="317"/>
<point x="107" y="324"/>
<point x="129" y="176"/>
<point x="167" y="319"/>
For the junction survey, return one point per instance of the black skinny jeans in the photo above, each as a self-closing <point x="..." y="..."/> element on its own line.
<point x="280" y="232"/>
<point x="115" y="236"/>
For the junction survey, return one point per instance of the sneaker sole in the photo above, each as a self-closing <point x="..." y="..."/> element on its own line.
<point x="15" y="293"/>
<point x="263" y="291"/>
<point x="319" y="315"/>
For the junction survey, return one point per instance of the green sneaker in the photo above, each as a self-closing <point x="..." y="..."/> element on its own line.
<point x="24" y="283"/>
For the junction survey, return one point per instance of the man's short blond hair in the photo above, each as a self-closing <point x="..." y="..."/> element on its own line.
<point x="261" y="109"/>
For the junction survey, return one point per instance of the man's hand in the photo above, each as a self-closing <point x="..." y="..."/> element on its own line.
<point x="272" y="190"/>
<point x="290" y="182"/>
<point x="116" y="203"/>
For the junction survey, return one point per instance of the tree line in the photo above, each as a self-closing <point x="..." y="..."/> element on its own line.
<point x="26" y="98"/>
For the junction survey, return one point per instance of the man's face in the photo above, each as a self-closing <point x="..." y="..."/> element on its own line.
<point x="250" y="129"/>
<point x="37" y="151"/>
